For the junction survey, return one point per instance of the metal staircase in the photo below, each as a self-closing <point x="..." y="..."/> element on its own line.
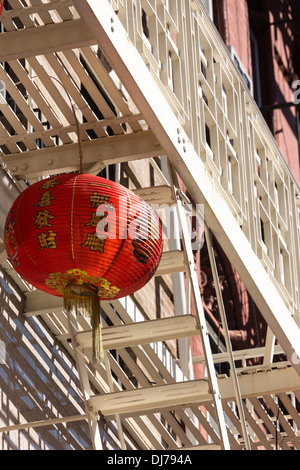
<point x="140" y="94"/>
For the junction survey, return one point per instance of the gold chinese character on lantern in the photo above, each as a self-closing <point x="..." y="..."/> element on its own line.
<point x="95" y="219"/>
<point x="42" y="219"/>
<point x="49" y="184"/>
<point x="47" y="240"/>
<point x="98" y="199"/>
<point x="45" y="199"/>
<point x="94" y="243"/>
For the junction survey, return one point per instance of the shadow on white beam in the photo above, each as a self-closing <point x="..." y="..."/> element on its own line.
<point x="152" y="398"/>
<point x="134" y="334"/>
<point x="64" y="158"/>
<point x="49" y="38"/>
<point x="169" y="396"/>
<point x="157" y="195"/>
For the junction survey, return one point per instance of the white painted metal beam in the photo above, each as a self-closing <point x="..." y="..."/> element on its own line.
<point x="42" y="423"/>
<point x="233" y="373"/>
<point x="157" y="397"/>
<point x="39" y="303"/>
<point x="265" y="382"/>
<point x="29" y="42"/>
<point x="64" y="158"/>
<point x="151" y="398"/>
<point x="134" y="334"/>
<point x="195" y="289"/>
<point x="172" y="262"/>
<point x="3" y="254"/>
<point x="128" y="64"/>
<point x="241" y="355"/>
<point x="156" y="195"/>
<point x="8" y="193"/>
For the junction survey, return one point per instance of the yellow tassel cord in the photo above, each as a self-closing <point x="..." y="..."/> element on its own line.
<point x="84" y="300"/>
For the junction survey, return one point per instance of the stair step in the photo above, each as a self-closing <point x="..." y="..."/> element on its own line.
<point x="157" y="195"/>
<point x="134" y="334"/>
<point x="172" y="262"/>
<point x="156" y="397"/>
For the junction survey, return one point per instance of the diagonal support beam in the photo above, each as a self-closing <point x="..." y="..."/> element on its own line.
<point x="129" y="66"/>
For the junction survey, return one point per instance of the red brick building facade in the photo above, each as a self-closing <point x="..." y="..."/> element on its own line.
<point x="265" y="36"/>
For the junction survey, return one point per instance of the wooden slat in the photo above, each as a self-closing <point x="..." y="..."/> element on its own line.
<point x="25" y="12"/>
<point x="202" y="447"/>
<point x="7" y="19"/>
<point x="63" y="133"/>
<point x="5" y="136"/>
<point x="42" y="13"/>
<point x="251" y="420"/>
<point x="290" y="408"/>
<point x="17" y="127"/>
<point x="261" y="413"/>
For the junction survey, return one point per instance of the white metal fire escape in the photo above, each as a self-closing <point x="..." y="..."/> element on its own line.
<point x="164" y="83"/>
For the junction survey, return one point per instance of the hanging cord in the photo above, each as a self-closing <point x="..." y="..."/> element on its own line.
<point x="78" y="138"/>
<point x="76" y="122"/>
<point x="75" y="117"/>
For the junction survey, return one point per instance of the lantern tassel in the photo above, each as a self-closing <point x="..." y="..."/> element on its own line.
<point x="96" y="331"/>
<point x="84" y="300"/>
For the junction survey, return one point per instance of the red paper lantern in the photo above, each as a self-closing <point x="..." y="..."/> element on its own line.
<point x="83" y="238"/>
<point x="1" y="6"/>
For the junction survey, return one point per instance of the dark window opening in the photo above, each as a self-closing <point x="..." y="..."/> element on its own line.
<point x="145" y="24"/>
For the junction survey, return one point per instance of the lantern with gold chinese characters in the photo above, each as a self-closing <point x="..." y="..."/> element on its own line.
<point x="83" y="238"/>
